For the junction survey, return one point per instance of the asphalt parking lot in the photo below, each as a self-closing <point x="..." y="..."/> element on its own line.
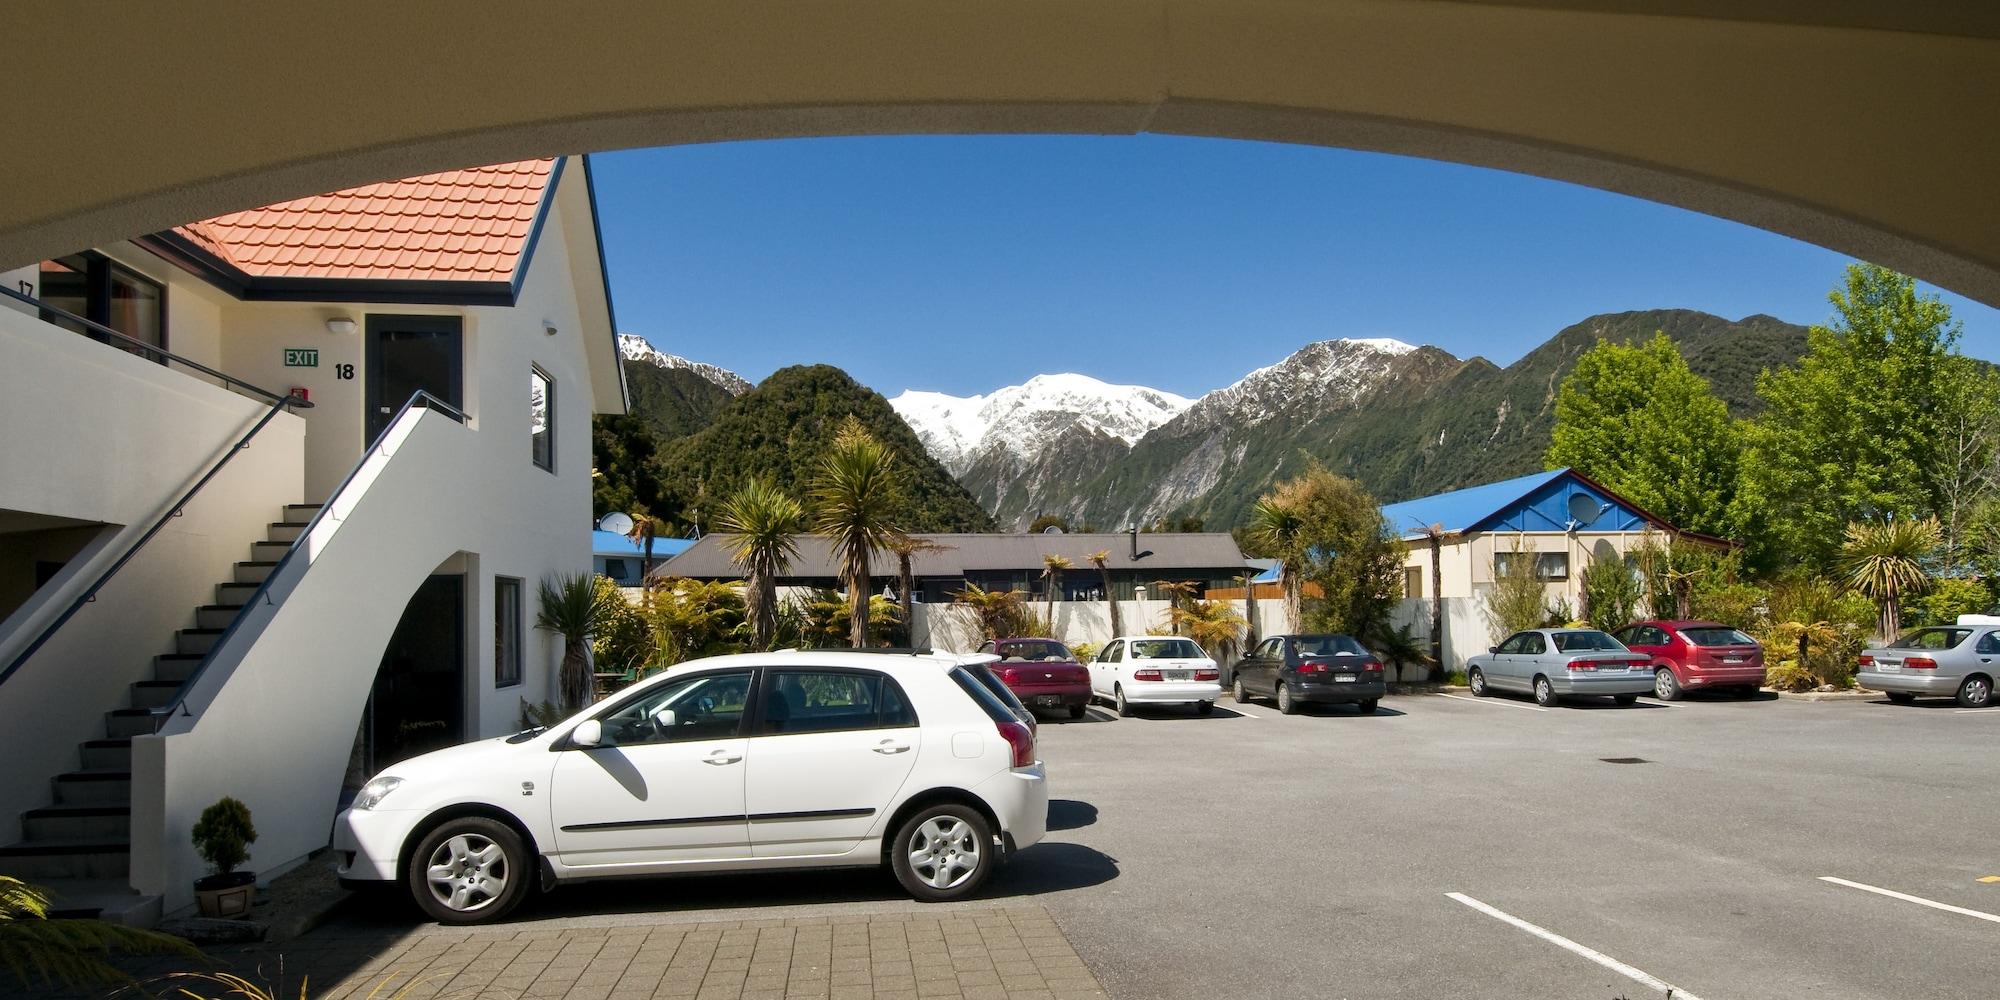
<point x="1445" y="847"/>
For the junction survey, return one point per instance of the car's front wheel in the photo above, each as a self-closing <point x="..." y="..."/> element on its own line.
<point x="1666" y="686"/>
<point x="1545" y="693"/>
<point x="942" y="852"/>
<point x="1976" y="692"/>
<point x="1236" y="691"/>
<point x="470" y="870"/>
<point x="1476" y="680"/>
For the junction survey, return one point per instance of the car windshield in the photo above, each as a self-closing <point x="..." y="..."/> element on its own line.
<point x="1932" y="638"/>
<point x="1165" y="649"/>
<point x="1328" y="645"/>
<point x="1034" y="649"/>
<point x="1716" y="635"/>
<point x="1586" y="642"/>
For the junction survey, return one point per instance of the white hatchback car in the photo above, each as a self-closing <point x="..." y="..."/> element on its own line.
<point x="736" y="763"/>
<point x="1155" y="670"/>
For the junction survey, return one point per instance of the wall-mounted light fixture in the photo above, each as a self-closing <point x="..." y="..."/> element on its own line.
<point x="339" y="325"/>
<point x="548" y="328"/>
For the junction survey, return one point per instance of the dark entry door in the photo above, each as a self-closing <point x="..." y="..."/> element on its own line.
<point x="407" y="353"/>
<point x="418" y="704"/>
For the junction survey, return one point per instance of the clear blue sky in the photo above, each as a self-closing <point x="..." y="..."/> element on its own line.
<point x="962" y="264"/>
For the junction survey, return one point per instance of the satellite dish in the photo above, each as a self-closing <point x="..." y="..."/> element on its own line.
<point x="1584" y="509"/>
<point x="615" y="522"/>
<point x="1052" y="530"/>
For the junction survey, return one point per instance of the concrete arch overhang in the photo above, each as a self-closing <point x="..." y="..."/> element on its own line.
<point x="1866" y="128"/>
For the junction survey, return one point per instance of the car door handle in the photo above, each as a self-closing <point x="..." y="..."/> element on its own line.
<point x="887" y="747"/>
<point x="722" y="757"/>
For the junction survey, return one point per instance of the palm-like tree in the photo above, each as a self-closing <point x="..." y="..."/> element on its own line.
<point x="575" y="608"/>
<point x="1178" y="592"/>
<point x="1052" y="571"/>
<point x="70" y="954"/>
<point x="1277" y="526"/>
<point x="1213" y="625"/>
<point x="645" y="528"/>
<point x="760" y="523"/>
<point x="994" y="608"/>
<point x="906" y="547"/>
<point x="855" y="497"/>
<point x="1101" y="559"/>
<point x="1436" y="536"/>
<point x="1884" y="560"/>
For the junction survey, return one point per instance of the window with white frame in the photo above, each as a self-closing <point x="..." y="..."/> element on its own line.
<point x="1545" y="565"/>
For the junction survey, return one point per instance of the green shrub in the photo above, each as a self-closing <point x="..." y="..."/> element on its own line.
<point x="223" y="835"/>
<point x="1948" y="598"/>
<point x="1735" y="604"/>
<point x="1611" y="593"/>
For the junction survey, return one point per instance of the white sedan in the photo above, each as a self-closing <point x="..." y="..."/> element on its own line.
<point x="737" y="763"/>
<point x="1155" y="670"/>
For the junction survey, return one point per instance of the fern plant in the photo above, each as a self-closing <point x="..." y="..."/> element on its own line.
<point x="43" y="954"/>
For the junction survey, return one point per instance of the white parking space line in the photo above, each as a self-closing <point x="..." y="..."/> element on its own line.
<point x="1907" y="898"/>
<point x="1636" y="975"/>
<point x="1974" y="711"/>
<point x="1490" y="701"/>
<point x="1238" y="709"/>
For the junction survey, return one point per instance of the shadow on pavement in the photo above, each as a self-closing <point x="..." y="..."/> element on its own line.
<point x="1069" y="814"/>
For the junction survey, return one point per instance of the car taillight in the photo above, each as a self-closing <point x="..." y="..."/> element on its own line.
<point x="1148" y="674"/>
<point x="1372" y="666"/>
<point x="1866" y="660"/>
<point x="1638" y="663"/>
<point x="1007" y="675"/>
<point x="1582" y="665"/>
<point x="1208" y="674"/>
<point x="1312" y="668"/>
<point x="1920" y="663"/>
<point x="1021" y="740"/>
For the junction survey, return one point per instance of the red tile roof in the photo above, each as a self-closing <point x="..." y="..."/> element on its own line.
<point x="459" y="225"/>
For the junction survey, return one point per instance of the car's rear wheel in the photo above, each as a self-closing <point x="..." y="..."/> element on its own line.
<point x="1477" y="681"/>
<point x="1366" y="707"/>
<point x="1545" y="693"/>
<point x="1076" y="711"/>
<point x="1204" y="708"/>
<point x="1625" y="699"/>
<point x="1285" y="703"/>
<point x="942" y="852"/>
<point x="1666" y="686"/>
<point x="470" y="870"/>
<point x="1118" y="699"/>
<point x="1976" y="691"/>
<point x="1901" y="697"/>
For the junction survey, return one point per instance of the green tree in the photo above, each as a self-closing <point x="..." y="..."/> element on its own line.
<point x="1637" y="419"/>
<point x="996" y="611"/>
<point x="1884" y="560"/>
<point x="1519" y="599"/>
<point x="1329" y="530"/>
<point x="855" y="497"/>
<point x="1213" y="625"/>
<point x="1052" y="571"/>
<point x="1611" y="593"/>
<point x="1278" y="526"/>
<point x="694" y="618"/>
<point x="42" y="953"/>
<point x="575" y="608"/>
<point x="760" y="524"/>
<point x="906" y="548"/>
<point x="1856" y="430"/>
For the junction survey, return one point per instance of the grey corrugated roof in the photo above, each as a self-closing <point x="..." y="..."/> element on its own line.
<point x="710" y="557"/>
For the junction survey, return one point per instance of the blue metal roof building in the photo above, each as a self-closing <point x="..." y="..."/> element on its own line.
<point x="1557" y="500"/>
<point x="618" y="557"/>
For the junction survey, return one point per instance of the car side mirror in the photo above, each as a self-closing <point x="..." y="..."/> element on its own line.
<point x="1493" y="649"/>
<point x="587" y="733"/>
<point x="664" y="718"/>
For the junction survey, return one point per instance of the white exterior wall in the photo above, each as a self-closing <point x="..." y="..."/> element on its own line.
<point x="99" y="435"/>
<point x="953" y="628"/>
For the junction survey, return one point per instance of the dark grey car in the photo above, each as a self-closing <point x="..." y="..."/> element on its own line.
<point x="1323" y="669"/>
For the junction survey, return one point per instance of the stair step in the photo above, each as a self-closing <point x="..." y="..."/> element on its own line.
<point x="81" y="822"/>
<point x="255" y="570"/>
<point x="196" y="640"/>
<point x="216" y="615"/>
<point x="175" y="666"/>
<point x="126" y="722"/>
<point x="107" y="755"/>
<point x="154" y="694"/>
<point x="69" y="858"/>
<point x="286" y="531"/>
<point x="272" y="551"/>
<point x="235" y="593"/>
<point x="94" y="788"/>
<point x="100" y="899"/>
<point x="301" y="511"/>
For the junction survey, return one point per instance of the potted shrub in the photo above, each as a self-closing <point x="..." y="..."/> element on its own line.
<point x="223" y="837"/>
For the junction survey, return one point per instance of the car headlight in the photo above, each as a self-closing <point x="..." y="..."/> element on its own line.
<point x="374" y="792"/>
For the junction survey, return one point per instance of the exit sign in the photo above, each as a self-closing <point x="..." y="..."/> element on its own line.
<point x="302" y="357"/>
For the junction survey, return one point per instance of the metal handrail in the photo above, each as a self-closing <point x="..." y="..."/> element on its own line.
<point x="263" y="592"/>
<point x="90" y="594"/>
<point x="102" y="330"/>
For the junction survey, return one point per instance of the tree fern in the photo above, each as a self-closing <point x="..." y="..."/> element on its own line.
<point x="69" y="954"/>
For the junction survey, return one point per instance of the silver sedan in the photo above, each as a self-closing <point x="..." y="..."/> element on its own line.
<point x="1949" y="661"/>
<point x="1557" y="663"/>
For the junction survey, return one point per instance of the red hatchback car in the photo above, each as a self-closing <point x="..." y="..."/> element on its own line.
<point x="1043" y="673"/>
<point x="1695" y="655"/>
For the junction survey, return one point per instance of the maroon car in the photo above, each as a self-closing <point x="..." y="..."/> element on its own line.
<point x="1696" y="655"/>
<point x="1043" y="673"/>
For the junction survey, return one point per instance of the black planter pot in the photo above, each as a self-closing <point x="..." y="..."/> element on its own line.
<point x="227" y="894"/>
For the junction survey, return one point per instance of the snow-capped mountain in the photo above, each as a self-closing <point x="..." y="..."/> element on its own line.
<point x="1323" y="375"/>
<point x="636" y="348"/>
<point x="1022" y="419"/>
